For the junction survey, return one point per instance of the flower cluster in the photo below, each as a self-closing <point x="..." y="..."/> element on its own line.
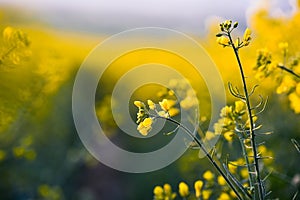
<point x="164" y="193"/>
<point x="24" y="149"/>
<point x="184" y="92"/>
<point x="231" y="117"/>
<point x="294" y="98"/>
<point x="147" y="114"/>
<point x="264" y="66"/>
<point x="185" y="98"/>
<point x="288" y="83"/>
<point x="224" y="38"/>
<point x="50" y="192"/>
<point x="14" y="46"/>
<point x="203" y="189"/>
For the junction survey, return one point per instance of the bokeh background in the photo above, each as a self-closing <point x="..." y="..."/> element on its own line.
<point x="41" y="155"/>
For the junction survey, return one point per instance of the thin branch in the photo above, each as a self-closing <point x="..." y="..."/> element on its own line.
<point x="205" y="152"/>
<point x="288" y="70"/>
<point x="252" y="134"/>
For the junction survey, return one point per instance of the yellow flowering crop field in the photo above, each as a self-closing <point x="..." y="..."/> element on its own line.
<point x="249" y="150"/>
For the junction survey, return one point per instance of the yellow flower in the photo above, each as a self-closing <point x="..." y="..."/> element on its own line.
<point x="171" y="92"/>
<point x="173" y="111"/>
<point x="163" y="114"/>
<point x="226" y="111"/>
<point x="232" y="194"/>
<point x="247" y="143"/>
<point x="8" y="32"/>
<point x="167" y="189"/>
<point x="225" y="122"/>
<point x="208" y="175"/>
<point x="224" y="196"/>
<point x="232" y="166"/>
<point x="183" y="189"/>
<point x="18" y="151"/>
<point x="244" y="173"/>
<point x="166" y="104"/>
<point x="218" y="128"/>
<point x="239" y="107"/>
<point x="188" y="102"/>
<point x="246" y="185"/>
<point x="247" y="37"/>
<point x="221" y="180"/>
<point x="169" y="195"/>
<point x="145" y="126"/>
<point x="198" y="187"/>
<point x="158" y="191"/>
<point x="210" y="135"/>
<point x="151" y="104"/>
<point x="286" y="85"/>
<point x="229" y="136"/>
<point x="30" y="155"/>
<point x="240" y="161"/>
<point x="223" y="40"/>
<point x="138" y="104"/>
<point x="206" y="194"/>
<point x="295" y="102"/>
<point x="298" y="89"/>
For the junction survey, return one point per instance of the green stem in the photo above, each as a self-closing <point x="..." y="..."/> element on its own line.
<point x="205" y="152"/>
<point x="288" y="70"/>
<point x="259" y="186"/>
<point x="247" y="161"/>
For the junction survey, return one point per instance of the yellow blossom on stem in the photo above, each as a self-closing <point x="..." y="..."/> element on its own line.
<point x="145" y="126"/>
<point x="198" y="187"/>
<point x="244" y="173"/>
<point x="224" y="196"/>
<point x="221" y="180"/>
<point x="183" y="189"/>
<point x="247" y="37"/>
<point x="232" y="194"/>
<point x="226" y="111"/>
<point x="173" y="111"/>
<point x="166" y="104"/>
<point x="206" y="194"/>
<point x="298" y="89"/>
<point x="239" y="107"/>
<point x="228" y="136"/>
<point x="232" y="167"/>
<point x="138" y="104"/>
<point x="223" y="40"/>
<point x="286" y="85"/>
<point x="190" y="100"/>
<point x="8" y="32"/>
<point x="295" y="102"/>
<point x="151" y="104"/>
<point x="167" y="189"/>
<point x="208" y="175"/>
<point x="163" y="114"/>
<point x="158" y="191"/>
